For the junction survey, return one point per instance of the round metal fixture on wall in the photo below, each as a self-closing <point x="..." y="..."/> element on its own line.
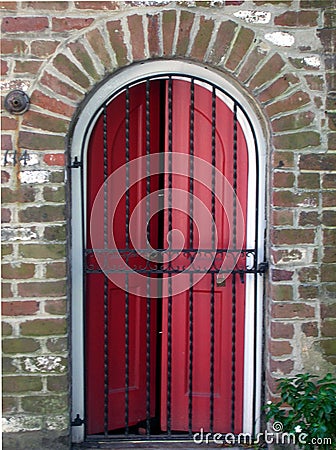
<point x="17" y="102"/>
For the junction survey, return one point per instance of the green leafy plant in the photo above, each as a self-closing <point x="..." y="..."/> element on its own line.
<point x="308" y="405"/>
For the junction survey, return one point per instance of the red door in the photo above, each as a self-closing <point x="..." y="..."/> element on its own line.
<point x="221" y="339"/>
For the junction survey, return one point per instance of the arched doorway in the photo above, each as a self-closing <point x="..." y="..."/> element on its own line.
<point x="171" y="331"/>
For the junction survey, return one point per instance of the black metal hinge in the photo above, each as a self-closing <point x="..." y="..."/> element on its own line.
<point x="262" y="267"/>
<point x="77" y="422"/>
<point x="76" y="163"/>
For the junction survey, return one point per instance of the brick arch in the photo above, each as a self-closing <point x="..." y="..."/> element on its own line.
<point x="106" y="45"/>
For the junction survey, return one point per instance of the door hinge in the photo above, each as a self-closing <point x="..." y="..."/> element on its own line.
<point x="262" y="267"/>
<point x="76" y="163"/>
<point x="77" y="422"/>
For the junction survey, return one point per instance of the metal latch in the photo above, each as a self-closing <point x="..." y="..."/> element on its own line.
<point x="76" y="163"/>
<point x="77" y="422"/>
<point x="262" y="267"/>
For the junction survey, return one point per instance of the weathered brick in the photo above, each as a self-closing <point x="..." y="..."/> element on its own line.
<point x="318" y="161"/>
<point x="328" y="272"/>
<point x="45" y="122"/>
<point x="21" y="384"/>
<point x="46" y="405"/>
<point x="292" y="199"/>
<point x="6" y="329"/>
<point x="310" y="329"/>
<point x="282" y="330"/>
<point x="137" y="36"/>
<point x="327" y="37"/>
<point x="9" y="405"/>
<point x="282" y="275"/>
<point x="293" y="121"/>
<point x="282" y="367"/>
<point x="329" y="255"/>
<point x="329" y="218"/>
<point x="329" y="348"/>
<point x="63" y="64"/>
<point x="6" y="290"/>
<point x="43" y="48"/>
<point x="56" y="270"/>
<point x="39" y="141"/>
<point x="168" y="31"/>
<point x="18" y="308"/>
<point x="52" y="104"/>
<point x="101" y="5"/>
<point x="282" y="217"/>
<point x="328" y="310"/>
<point x="292" y="311"/>
<point x="58" y="383"/>
<point x="57" y="176"/>
<point x="46" y="5"/>
<point x="24" y="24"/>
<point x="3" y="67"/>
<point x="23" y="194"/>
<point x="329" y="237"/>
<point x="280" y="348"/>
<point x="328" y="328"/>
<point x="14" y="47"/>
<point x="315" y="82"/>
<point x="8" y="123"/>
<point x="43" y="327"/>
<point x="56" y="307"/>
<point x="223" y="41"/>
<point x="20" y="345"/>
<point x="297" y="19"/>
<point x="283" y="159"/>
<point x="297" y="140"/>
<point x="55" y="233"/>
<point x="54" y="159"/>
<point x="329" y="180"/>
<point x="257" y="55"/>
<point x="58" y="344"/>
<point x="42" y="251"/>
<point x="70" y="23"/>
<point x="241" y="45"/>
<point x="60" y="87"/>
<point x="117" y="41"/>
<point x="44" y="213"/>
<point x="291" y="103"/>
<point x="282" y="292"/>
<point x="54" y="194"/>
<point x="153" y="35"/>
<point x="309" y="180"/>
<point x="98" y="45"/>
<point x="202" y="39"/>
<point x="293" y="236"/>
<point x="268" y="71"/>
<point x="308" y="274"/>
<point x="186" y="22"/>
<point x="309" y="218"/>
<point x="329" y="198"/>
<point x="42" y="289"/>
<point x="18" y="271"/>
<point x="27" y="66"/>
<point x="6" y="142"/>
<point x="6" y="215"/>
<point x="283" y="179"/>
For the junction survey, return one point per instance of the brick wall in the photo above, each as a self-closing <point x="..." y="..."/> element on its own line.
<point x="281" y="54"/>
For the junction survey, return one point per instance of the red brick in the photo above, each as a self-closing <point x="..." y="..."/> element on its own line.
<point x="282" y="367"/>
<point x="282" y="217"/>
<point x="308" y="292"/>
<point x="153" y="35"/>
<point x="8" y="6"/>
<point x="101" y="5"/>
<point x="5" y="177"/>
<point x="282" y="292"/>
<point x="13" y="47"/>
<point x="55" y="307"/>
<point x="315" y="82"/>
<point x="283" y="160"/>
<point x="3" y="67"/>
<point x="56" y="270"/>
<point x="297" y="140"/>
<point x="117" y="41"/>
<point x="6" y="142"/>
<point x="282" y="330"/>
<point x="17" y="308"/>
<point x="43" y="48"/>
<point x="83" y="56"/>
<point x="70" y="23"/>
<point x="268" y="71"/>
<point x="6" y="290"/>
<point x="328" y="328"/>
<point x="291" y="199"/>
<point x="328" y="310"/>
<point x="318" y="161"/>
<point x="137" y="36"/>
<point x="291" y="103"/>
<point x="40" y="141"/>
<point x="60" y="87"/>
<point x="6" y="215"/>
<point x="331" y="141"/>
<point x="292" y="310"/>
<point x="8" y="123"/>
<point x="98" y="45"/>
<point x="46" y="122"/>
<point x="293" y="236"/>
<point x="310" y="329"/>
<point x="240" y="48"/>
<point x="42" y="289"/>
<point x="309" y="180"/>
<point x="27" y="66"/>
<point x="293" y="121"/>
<point x="255" y="57"/>
<point x="168" y="31"/>
<point x="280" y="348"/>
<point x="43" y="327"/>
<point x="18" y="272"/>
<point x="328" y="273"/>
<point x="223" y="41"/>
<point x="297" y="19"/>
<point x="329" y="237"/>
<point x="329" y="181"/>
<point x="46" y="5"/>
<point x="186" y="22"/>
<point x="24" y="24"/>
<point x="202" y="38"/>
<point x="54" y="159"/>
<point x="309" y="218"/>
<point x="282" y="275"/>
<point x="308" y="274"/>
<point x="283" y="179"/>
<point x="63" y="64"/>
<point x="52" y="104"/>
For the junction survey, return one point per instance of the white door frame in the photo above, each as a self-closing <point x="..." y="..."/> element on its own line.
<point x="79" y="145"/>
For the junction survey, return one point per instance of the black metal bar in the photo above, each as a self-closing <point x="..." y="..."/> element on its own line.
<point x="191" y="244"/>
<point x="170" y="226"/>
<point x="106" y="358"/>
<point x="213" y="231"/>
<point x="127" y="212"/>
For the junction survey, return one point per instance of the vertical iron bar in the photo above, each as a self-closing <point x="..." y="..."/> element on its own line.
<point x="191" y="244"/>
<point x="233" y="373"/>
<point x="213" y="231"/>
<point x="106" y="358"/>
<point x="148" y="301"/>
<point x="127" y="211"/>
<point x="170" y="226"/>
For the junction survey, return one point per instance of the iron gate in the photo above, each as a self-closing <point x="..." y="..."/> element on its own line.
<point x="131" y="289"/>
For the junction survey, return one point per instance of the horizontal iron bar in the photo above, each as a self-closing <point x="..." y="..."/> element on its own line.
<point x="170" y="271"/>
<point x="168" y="251"/>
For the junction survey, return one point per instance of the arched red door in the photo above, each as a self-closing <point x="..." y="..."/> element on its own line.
<point x="171" y="362"/>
